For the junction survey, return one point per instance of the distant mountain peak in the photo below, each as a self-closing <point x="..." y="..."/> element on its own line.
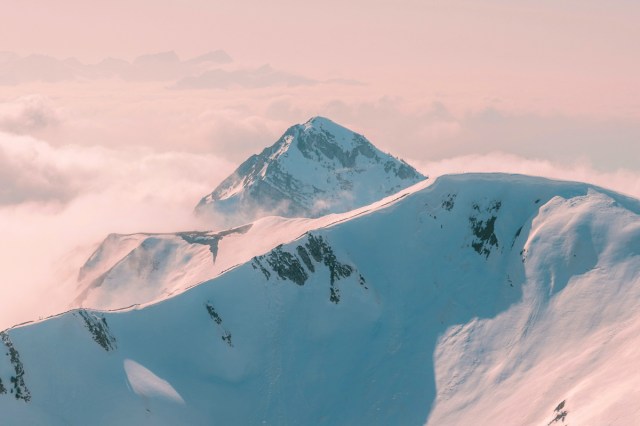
<point x="315" y="168"/>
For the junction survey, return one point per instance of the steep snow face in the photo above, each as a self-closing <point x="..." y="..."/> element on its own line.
<point x="481" y="299"/>
<point x="315" y="168"/>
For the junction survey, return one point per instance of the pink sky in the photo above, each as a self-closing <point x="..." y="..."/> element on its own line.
<point x="568" y="66"/>
<point x="548" y="88"/>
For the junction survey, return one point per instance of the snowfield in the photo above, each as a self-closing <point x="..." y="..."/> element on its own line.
<point x="479" y="299"/>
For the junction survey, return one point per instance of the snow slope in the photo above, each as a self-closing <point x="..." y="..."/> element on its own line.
<point x="481" y="299"/>
<point x="315" y="168"/>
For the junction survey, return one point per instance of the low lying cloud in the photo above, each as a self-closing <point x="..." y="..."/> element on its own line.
<point x="31" y="168"/>
<point x="28" y="114"/>
<point x="30" y="171"/>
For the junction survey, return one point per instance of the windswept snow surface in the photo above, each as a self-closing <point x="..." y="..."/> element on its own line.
<point x="481" y="299"/>
<point x="314" y="169"/>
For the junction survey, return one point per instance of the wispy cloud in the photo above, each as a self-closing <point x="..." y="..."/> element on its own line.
<point x="200" y="72"/>
<point x="163" y="66"/>
<point x="263" y="76"/>
<point x="167" y="66"/>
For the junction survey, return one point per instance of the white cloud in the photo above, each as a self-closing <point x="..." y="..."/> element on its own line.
<point x="28" y="114"/>
<point x="30" y="172"/>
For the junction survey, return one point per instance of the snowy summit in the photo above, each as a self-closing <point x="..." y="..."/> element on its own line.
<point x="315" y="168"/>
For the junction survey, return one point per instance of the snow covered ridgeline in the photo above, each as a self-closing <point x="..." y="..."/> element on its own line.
<point x="481" y="299"/>
<point x="139" y="268"/>
<point x="315" y="168"/>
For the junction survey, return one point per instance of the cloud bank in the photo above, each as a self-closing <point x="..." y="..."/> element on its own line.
<point x="28" y="114"/>
<point x="57" y="203"/>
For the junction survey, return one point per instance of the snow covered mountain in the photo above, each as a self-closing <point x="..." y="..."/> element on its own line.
<point x="315" y="168"/>
<point x="480" y="299"/>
